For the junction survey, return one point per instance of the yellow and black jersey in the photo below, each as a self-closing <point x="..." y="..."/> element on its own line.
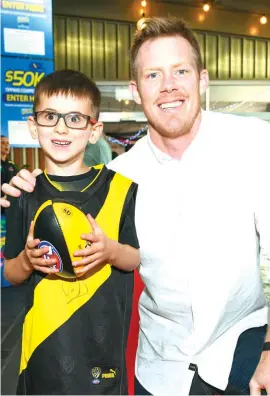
<point x="75" y="331"/>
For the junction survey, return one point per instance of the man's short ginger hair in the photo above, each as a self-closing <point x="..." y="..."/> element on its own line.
<point x="152" y="28"/>
<point x="69" y="83"/>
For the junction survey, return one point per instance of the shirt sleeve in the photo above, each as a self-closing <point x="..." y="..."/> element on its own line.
<point x="128" y="234"/>
<point x="15" y="242"/>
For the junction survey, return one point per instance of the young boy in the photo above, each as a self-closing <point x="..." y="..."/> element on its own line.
<point x="75" y="331"/>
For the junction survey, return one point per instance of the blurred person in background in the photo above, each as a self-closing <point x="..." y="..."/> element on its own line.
<point x="8" y="168"/>
<point x="99" y="153"/>
<point x="114" y="154"/>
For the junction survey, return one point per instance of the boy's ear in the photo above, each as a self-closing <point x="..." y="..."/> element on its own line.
<point x="32" y="126"/>
<point x="135" y="93"/>
<point x="96" y="132"/>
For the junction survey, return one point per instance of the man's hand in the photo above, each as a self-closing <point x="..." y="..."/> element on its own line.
<point x="101" y="249"/>
<point x="35" y="255"/>
<point x="24" y="180"/>
<point x="261" y="377"/>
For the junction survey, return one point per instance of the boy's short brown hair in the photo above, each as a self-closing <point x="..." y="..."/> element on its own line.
<point x="69" y="82"/>
<point x="152" y="28"/>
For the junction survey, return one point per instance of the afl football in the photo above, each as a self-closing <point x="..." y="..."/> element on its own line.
<point x="59" y="225"/>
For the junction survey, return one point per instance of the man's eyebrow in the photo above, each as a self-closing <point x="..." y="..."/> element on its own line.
<point x="158" y="68"/>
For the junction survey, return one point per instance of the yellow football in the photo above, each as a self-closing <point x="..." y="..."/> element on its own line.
<point x="59" y="226"/>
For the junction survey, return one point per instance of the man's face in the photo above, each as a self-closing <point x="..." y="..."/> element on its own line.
<point x="168" y="85"/>
<point x="5" y="146"/>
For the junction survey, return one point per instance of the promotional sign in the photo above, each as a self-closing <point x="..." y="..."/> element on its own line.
<point x="27" y="55"/>
<point x="26" y="28"/>
<point x="19" y="77"/>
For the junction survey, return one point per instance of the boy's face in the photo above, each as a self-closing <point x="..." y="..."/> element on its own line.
<point x="61" y="143"/>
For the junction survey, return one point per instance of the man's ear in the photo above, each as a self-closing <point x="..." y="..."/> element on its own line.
<point x="32" y="126"/>
<point x="134" y="90"/>
<point x="204" y="81"/>
<point x="96" y="132"/>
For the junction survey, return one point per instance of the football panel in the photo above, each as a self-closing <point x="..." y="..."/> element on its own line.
<point x="47" y="228"/>
<point x="73" y="223"/>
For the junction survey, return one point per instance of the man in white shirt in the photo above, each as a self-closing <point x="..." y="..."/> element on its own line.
<point x="202" y="217"/>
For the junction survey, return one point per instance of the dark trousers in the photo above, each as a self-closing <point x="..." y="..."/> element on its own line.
<point x="245" y="360"/>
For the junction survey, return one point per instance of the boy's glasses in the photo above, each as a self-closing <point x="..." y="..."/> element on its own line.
<point x="72" y="120"/>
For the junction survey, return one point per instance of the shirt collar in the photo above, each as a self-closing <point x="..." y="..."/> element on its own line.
<point x="160" y="155"/>
<point x="163" y="157"/>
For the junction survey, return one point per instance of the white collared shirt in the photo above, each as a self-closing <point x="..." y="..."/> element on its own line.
<point x="201" y="223"/>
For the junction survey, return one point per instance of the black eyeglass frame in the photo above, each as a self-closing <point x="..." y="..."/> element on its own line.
<point x="88" y="119"/>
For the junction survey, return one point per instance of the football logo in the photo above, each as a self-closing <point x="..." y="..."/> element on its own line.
<point x="52" y="254"/>
<point x="67" y="211"/>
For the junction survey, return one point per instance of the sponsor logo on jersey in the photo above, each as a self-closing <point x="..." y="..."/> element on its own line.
<point x="104" y="375"/>
<point x="52" y="254"/>
<point x="110" y="374"/>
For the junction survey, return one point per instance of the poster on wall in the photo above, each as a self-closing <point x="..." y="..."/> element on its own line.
<point x="26" y="28"/>
<point x="19" y="77"/>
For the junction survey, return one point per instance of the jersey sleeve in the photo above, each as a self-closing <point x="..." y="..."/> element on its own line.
<point x="127" y="233"/>
<point x="15" y="242"/>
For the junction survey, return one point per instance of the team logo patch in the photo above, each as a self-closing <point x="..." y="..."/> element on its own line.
<point x="52" y="254"/>
<point x="96" y="371"/>
<point x="104" y="375"/>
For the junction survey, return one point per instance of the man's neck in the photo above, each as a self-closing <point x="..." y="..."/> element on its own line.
<point x="3" y="157"/>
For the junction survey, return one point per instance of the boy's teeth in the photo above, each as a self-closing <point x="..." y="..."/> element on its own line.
<point x="171" y="105"/>
<point x="61" y="143"/>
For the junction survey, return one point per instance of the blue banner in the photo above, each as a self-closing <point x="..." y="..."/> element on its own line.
<point x="19" y="78"/>
<point x="27" y="55"/>
<point x="26" y="28"/>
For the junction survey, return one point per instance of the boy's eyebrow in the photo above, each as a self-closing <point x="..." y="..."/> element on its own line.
<point x="49" y="109"/>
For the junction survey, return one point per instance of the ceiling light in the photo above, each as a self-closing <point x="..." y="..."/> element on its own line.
<point x="263" y="20"/>
<point x="253" y="30"/>
<point x="201" y="17"/>
<point x="143" y="3"/>
<point x="206" y="7"/>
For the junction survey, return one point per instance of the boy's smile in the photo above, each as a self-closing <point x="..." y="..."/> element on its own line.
<point x="61" y="143"/>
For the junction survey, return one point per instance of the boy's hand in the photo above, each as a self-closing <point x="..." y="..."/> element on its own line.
<point x="101" y="249"/>
<point x="24" y="180"/>
<point x="35" y="256"/>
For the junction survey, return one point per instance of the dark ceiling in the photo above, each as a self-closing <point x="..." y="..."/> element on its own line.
<point x="255" y="6"/>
